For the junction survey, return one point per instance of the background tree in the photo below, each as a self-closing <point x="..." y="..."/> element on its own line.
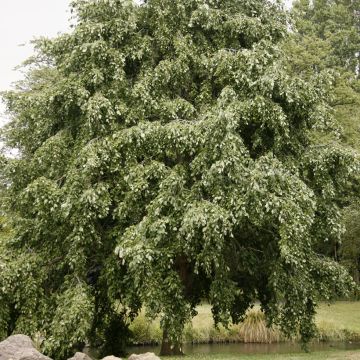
<point x="326" y="38"/>
<point x="350" y="249"/>
<point x="166" y="157"/>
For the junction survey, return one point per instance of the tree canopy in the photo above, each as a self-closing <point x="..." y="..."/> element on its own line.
<point x="165" y="157"/>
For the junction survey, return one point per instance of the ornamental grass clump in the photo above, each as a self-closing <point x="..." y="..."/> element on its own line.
<point x="254" y="329"/>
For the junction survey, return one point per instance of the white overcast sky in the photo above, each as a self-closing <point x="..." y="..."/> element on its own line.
<point x="20" y="22"/>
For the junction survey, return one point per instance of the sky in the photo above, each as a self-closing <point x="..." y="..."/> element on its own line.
<point x="20" y="22"/>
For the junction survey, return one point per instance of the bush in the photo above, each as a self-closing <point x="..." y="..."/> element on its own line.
<point x="144" y="331"/>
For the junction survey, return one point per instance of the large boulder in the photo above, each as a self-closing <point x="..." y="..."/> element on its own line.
<point x="111" y="357"/>
<point x="19" y="347"/>
<point x="80" y="356"/>
<point x="146" y="356"/>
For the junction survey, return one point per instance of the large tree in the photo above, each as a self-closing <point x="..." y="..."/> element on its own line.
<point x="165" y="157"/>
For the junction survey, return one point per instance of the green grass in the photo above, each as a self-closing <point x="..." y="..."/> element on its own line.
<point x="341" y="315"/>
<point x="336" y="322"/>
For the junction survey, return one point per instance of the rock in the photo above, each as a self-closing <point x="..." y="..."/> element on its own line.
<point x="80" y="356"/>
<point x="19" y="347"/>
<point x="111" y="358"/>
<point x="146" y="356"/>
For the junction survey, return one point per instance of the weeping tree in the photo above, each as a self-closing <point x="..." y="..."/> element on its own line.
<point x="165" y="157"/>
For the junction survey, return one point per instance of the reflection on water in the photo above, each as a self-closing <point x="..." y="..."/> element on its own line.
<point x="241" y="348"/>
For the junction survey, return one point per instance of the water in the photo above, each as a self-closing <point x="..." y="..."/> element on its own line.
<point x="242" y="348"/>
<point x="251" y="348"/>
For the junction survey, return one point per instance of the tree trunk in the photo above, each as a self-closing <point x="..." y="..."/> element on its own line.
<point x="168" y="348"/>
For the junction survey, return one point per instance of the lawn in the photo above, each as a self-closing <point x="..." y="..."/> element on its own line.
<point x="342" y="315"/>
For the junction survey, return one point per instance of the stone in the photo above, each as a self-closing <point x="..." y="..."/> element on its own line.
<point x="111" y="358"/>
<point x="146" y="356"/>
<point x="19" y="347"/>
<point x="80" y="356"/>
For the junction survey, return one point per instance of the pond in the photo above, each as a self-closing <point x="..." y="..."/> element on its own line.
<point x="251" y="348"/>
<point x="243" y="348"/>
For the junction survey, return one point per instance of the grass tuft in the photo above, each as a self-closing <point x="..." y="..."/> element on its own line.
<point x="255" y="330"/>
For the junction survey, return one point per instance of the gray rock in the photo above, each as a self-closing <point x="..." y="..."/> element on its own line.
<point x="80" y="356"/>
<point x="19" y="347"/>
<point x="146" y="356"/>
<point x="111" y="358"/>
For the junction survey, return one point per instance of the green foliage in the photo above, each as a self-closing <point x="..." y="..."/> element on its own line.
<point x="71" y="322"/>
<point x="4" y="311"/>
<point x="144" y="331"/>
<point x="350" y="250"/>
<point x="166" y="156"/>
<point x="116" y="335"/>
<point x="327" y="40"/>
